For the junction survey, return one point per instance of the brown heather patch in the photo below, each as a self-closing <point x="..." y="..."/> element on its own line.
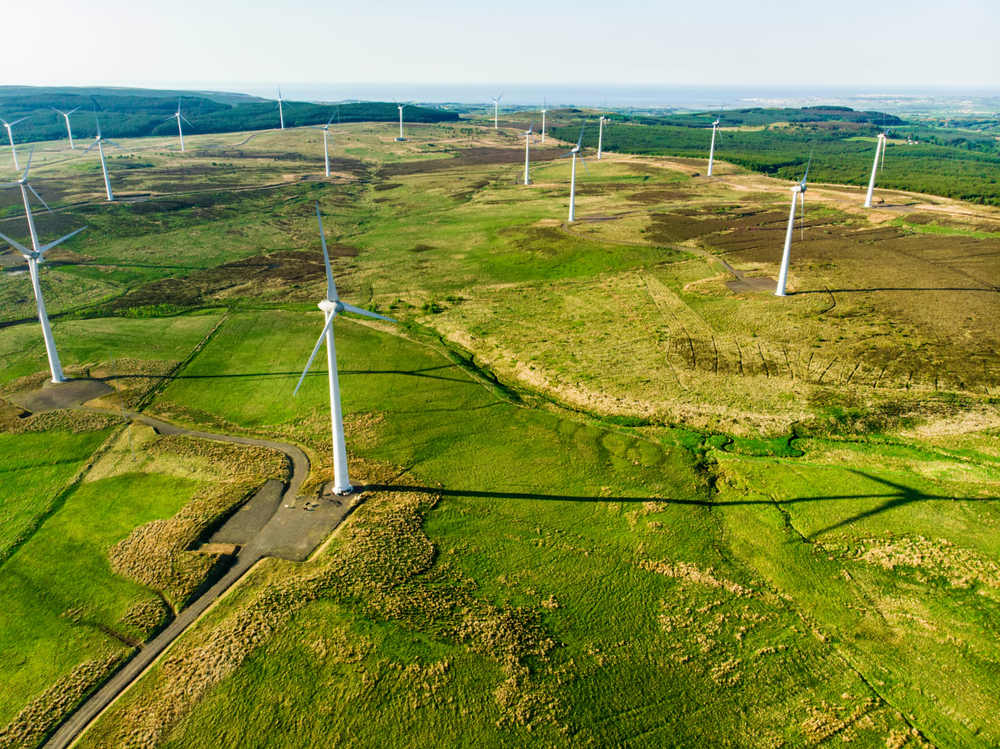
<point x="13" y="421"/>
<point x="146" y="615"/>
<point x="44" y="712"/>
<point x="927" y="557"/>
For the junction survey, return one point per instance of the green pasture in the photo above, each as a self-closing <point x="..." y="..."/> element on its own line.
<point x="83" y="342"/>
<point x="36" y="468"/>
<point x="61" y="603"/>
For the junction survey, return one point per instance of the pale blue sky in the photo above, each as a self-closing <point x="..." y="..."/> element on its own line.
<point x="198" y="43"/>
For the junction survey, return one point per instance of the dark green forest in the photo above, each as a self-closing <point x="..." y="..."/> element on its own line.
<point x="962" y="165"/>
<point x="137" y="116"/>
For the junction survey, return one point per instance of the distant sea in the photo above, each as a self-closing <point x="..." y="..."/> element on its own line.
<point x="895" y="99"/>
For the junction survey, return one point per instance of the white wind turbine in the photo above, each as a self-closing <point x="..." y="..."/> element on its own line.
<point x="544" y="110"/>
<point x="600" y="136"/>
<point x="496" y="111"/>
<point x="876" y="167"/>
<point x="711" y="153"/>
<point x="400" y="108"/>
<point x="13" y="148"/>
<point x="179" y="117"/>
<point x="529" y="139"/>
<point x="798" y="194"/>
<point x="69" y="129"/>
<point x="99" y="142"/>
<point x="34" y="257"/>
<point x="281" y="111"/>
<point x="332" y="306"/>
<point x="326" y="147"/>
<point x="572" y="185"/>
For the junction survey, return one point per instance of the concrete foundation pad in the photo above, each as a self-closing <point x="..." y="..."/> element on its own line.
<point x="52" y="397"/>
<point x="749" y="285"/>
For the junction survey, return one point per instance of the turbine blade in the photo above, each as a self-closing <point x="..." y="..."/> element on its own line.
<point x="17" y="121"/>
<point x="579" y="142"/>
<point x="584" y="165"/>
<point x="71" y="111"/>
<point x="112" y="143"/>
<point x="319" y="343"/>
<point x="50" y="245"/>
<point x="366" y="313"/>
<point x="24" y="250"/>
<point x="331" y="119"/>
<point x="805" y="179"/>
<point x="168" y="117"/>
<point x="91" y="148"/>
<point x="30" y="155"/>
<point x="186" y="120"/>
<point x="64" y="114"/>
<point x="331" y="287"/>
<point x="39" y="198"/>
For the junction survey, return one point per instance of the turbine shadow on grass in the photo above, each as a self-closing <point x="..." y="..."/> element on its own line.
<point x="319" y="373"/>
<point x="862" y="291"/>
<point x="903" y="496"/>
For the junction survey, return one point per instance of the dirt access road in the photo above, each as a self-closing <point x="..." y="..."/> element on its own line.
<point x="292" y="532"/>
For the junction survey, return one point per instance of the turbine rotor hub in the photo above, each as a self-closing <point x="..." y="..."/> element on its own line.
<point x="331" y="307"/>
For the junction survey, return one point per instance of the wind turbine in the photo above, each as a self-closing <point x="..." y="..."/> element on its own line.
<point x="179" y="116"/>
<point x="13" y="148"/>
<point x="572" y="184"/>
<point x="34" y="257"/>
<point x="281" y="112"/>
<point x="798" y="193"/>
<point x="69" y="129"/>
<point x="99" y="142"/>
<point x="332" y="306"/>
<point x="876" y="167"/>
<point x="711" y="153"/>
<point x="600" y="136"/>
<point x="496" y="111"/>
<point x="326" y="148"/>
<point x="544" y="110"/>
<point x="400" y="108"/>
<point x="528" y="140"/>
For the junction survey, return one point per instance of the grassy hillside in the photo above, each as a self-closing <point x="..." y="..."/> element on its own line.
<point x="617" y="495"/>
<point x="961" y="165"/>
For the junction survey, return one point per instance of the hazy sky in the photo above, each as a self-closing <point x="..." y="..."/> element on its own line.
<point x="200" y="43"/>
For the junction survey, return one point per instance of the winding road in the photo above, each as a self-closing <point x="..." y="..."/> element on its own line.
<point x="291" y="533"/>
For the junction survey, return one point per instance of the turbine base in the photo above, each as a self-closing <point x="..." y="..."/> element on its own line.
<point x="400" y="140"/>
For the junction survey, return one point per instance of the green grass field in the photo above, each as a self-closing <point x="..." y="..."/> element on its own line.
<point x="620" y="503"/>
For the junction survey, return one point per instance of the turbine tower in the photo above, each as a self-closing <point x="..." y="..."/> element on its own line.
<point x="496" y="111"/>
<point x="400" y="108"/>
<point x="34" y="257"/>
<point x="179" y="116"/>
<point x="876" y="167"/>
<point x="326" y="148"/>
<point x="572" y="185"/>
<point x="99" y="142"/>
<point x="798" y="194"/>
<point x="13" y="148"/>
<point x="332" y="306"/>
<point x="528" y="140"/>
<point x="600" y="136"/>
<point x="281" y="111"/>
<point x="544" y="110"/>
<point x="711" y="153"/>
<point x="69" y="129"/>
